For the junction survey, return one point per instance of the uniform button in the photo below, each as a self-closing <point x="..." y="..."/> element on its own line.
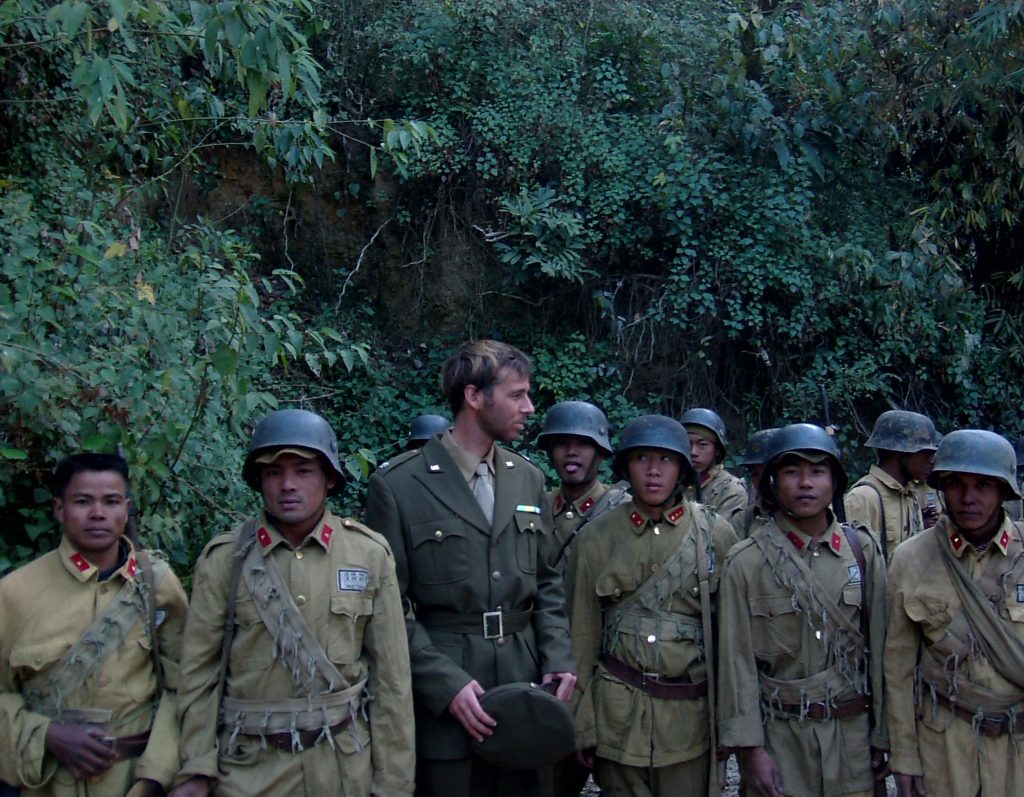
<point x="696" y="590"/>
<point x="568" y="515"/>
<point x="617" y="592"/>
<point x="439" y="534"/>
<point x="500" y="642"/>
<point x="654" y="568"/>
<point x="657" y="530"/>
<point x="300" y="600"/>
<point x="299" y="554"/>
<point x="532" y="526"/>
<point x="652" y="639"/>
<point x="816" y="553"/>
<point x="496" y="575"/>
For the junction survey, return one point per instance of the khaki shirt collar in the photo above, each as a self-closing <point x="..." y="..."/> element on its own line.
<point x="832" y="539"/>
<point x="959" y="543"/>
<point x="583" y="504"/>
<point x="466" y="460"/>
<point x="888" y="481"/>
<point x="269" y="537"/>
<point x="82" y="570"/>
<point x="639" y="520"/>
<point x="711" y="472"/>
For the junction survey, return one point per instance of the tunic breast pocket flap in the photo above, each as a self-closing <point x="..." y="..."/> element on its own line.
<point x="440" y="553"/>
<point x="931" y="612"/>
<point x="615" y="586"/>
<point x="38" y="655"/>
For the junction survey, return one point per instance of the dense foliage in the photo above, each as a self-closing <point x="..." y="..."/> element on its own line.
<point x="667" y="202"/>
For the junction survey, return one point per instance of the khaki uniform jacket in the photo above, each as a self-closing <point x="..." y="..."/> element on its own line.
<point x="45" y="607"/>
<point x="900" y="505"/>
<point x="565" y="518"/>
<point x="450" y="559"/>
<point x="619" y="552"/>
<point x="763" y="633"/>
<point x="724" y="493"/>
<point x="928" y="738"/>
<point x="362" y="632"/>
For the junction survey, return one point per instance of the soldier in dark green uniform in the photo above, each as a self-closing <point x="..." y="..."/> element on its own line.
<point x="719" y="489"/>
<point x="484" y="605"/>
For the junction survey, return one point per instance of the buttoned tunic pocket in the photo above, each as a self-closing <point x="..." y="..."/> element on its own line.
<point x="528" y="529"/>
<point x="36" y="656"/>
<point x="776" y="627"/>
<point x="440" y="552"/>
<point x="349" y="614"/>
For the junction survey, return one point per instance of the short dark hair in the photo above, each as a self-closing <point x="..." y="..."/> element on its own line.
<point x="81" y="463"/>
<point x="480" y="363"/>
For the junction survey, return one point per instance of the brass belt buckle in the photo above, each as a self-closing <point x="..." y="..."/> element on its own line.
<point x="650" y="679"/>
<point x="494" y="625"/>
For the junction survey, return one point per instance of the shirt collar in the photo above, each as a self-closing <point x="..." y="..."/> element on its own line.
<point x="887" y="480"/>
<point x="82" y="570"/>
<point x="832" y="539"/>
<point x="269" y="537"/>
<point x="711" y="472"/>
<point x="583" y="504"/>
<point x="466" y="461"/>
<point x="959" y="543"/>
<point x="639" y="521"/>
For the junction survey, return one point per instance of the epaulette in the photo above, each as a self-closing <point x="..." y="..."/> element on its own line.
<point x="400" y="459"/>
<point x="354" y="525"/>
<point x="866" y="537"/>
<point x="224" y="538"/>
<point x="739" y="547"/>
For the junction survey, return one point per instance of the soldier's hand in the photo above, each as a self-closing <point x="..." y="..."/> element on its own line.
<point x="196" y="787"/>
<point x="466" y="708"/>
<point x="879" y="763"/>
<point x="586" y="757"/>
<point x="761" y="773"/>
<point x="80" y="748"/>
<point x="566" y="684"/>
<point x="909" y="785"/>
<point x="145" y="788"/>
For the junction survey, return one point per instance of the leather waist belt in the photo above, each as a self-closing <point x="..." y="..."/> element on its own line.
<point x="990" y="725"/>
<point x="824" y="711"/>
<point x="129" y="746"/>
<point x="653" y="684"/>
<point x="490" y="625"/>
<point x="298" y="741"/>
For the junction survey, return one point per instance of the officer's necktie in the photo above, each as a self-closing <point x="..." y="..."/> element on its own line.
<point x="483" y="490"/>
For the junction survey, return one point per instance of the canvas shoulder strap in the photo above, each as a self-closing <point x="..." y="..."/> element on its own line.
<point x="883" y="533"/>
<point x="705" y="563"/>
<point x="246" y="540"/>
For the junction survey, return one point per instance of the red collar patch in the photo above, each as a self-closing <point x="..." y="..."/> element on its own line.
<point x="637" y="519"/>
<point x="559" y="503"/>
<point x="676" y="513"/>
<point x="956" y="541"/>
<point x="325" y="535"/>
<point x="131" y="566"/>
<point x="80" y="562"/>
<point x="794" y="538"/>
<point x="585" y="506"/>
<point x="837" y="542"/>
<point x="264" y="537"/>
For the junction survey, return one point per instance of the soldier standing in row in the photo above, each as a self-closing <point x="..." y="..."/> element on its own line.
<point x="886" y="498"/>
<point x="89" y="642"/>
<point x="954" y="655"/>
<point x="642" y="620"/>
<point x="801" y="607"/>
<point x="753" y="462"/>
<point x="295" y="670"/>
<point x="719" y="489"/>
<point x="484" y="603"/>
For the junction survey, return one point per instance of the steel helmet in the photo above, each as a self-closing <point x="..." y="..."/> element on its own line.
<point x="654" y="431"/>
<point x="426" y="426"/>
<point x="300" y="428"/>
<point x="903" y="431"/>
<point x="709" y="419"/>
<point x="757" y="446"/>
<point x="802" y="437"/>
<point x="976" y="451"/>
<point x="580" y="418"/>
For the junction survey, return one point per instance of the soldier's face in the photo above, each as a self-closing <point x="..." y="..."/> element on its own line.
<point x="802" y="488"/>
<point x="919" y="465"/>
<point x="295" y="493"/>
<point x="93" y="514"/>
<point x="653" y="475"/>
<point x="503" y="408"/>
<point x="973" y="502"/>
<point x="754" y="472"/>
<point x="702" y="453"/>
<point x="576" y="459"/>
